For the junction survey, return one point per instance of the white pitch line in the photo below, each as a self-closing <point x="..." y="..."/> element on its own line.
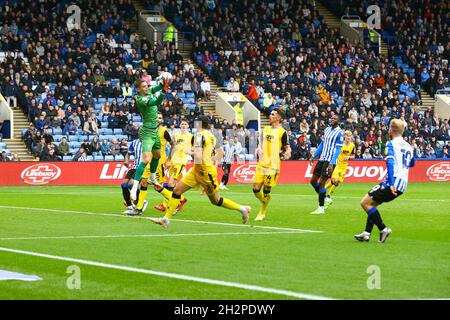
<point x="152" y="235"/>
<point x="228" y="192"/>
<point x="244" y="286"/>
<point x="56" y="211"/>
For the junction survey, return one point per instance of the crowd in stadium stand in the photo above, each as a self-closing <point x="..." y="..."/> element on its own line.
<point x="79" y="84"/>
<point x="287" y="58"/>
<point x="416" y="32"/>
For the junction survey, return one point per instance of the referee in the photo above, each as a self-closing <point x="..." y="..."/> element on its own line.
<point x="328" y="150"/>
<point x="229" y="153"/>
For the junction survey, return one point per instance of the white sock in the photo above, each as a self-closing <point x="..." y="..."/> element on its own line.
<point x="134" y="189"/>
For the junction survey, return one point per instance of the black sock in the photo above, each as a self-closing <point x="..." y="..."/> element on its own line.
<point x="376" y="218"/>
<point x="369" y="224"/>
<point x="322" y="194"/>
<point x="126" y="194"/>
<point x="315" y="186"/>
<point x="225" y="179"/>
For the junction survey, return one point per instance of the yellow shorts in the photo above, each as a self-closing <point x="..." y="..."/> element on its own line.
<point x="160" y="173"/>
<point x="206" y="178"/>
<point x="267" y="176"/>
<point x="339" y="173"/>
<point x="176" y="171"/>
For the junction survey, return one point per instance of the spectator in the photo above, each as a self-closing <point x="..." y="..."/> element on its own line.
<point x="232" y="85"/>
<point x="123" y="147"/>
<point x="64" y="148"/>
<point x="105" y="148"/>
<point x="4" y="157"/>
<point x="95" y="147"/>
<point x="70" y="128"/>
<point x="114" y="147"/>
<point x="205" y="89"/>
<point x="90" y="127"/>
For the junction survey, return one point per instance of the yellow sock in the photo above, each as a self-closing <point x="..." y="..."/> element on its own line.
<point x="328" y="187"/>
<point x="165" y="202"/>
<point x="230" y="204"/>
<point x="259" y="195"/>
<point x="173" y="204"/>
<point x="330" y="190"/>
<point x="167" y="194"/>
<point x="142" y="197"/>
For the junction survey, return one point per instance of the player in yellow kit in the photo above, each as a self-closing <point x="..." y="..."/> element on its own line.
<point x="180" y="151"/>
<point x="274" y="140"/>
<point x="203" y="173"/>
<point x="347" y="153"/>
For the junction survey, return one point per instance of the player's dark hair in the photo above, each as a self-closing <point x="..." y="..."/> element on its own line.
<point x="204" y="120"/>
<point x="280" y="113"/>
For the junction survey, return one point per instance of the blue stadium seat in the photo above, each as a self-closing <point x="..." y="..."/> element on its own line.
<point x="73" y="138"/>
<point x="119" y="157"/>
<point x="67" y="158"/>
<point x="101" y="100"/>
<point x="57" y="131"/>
<point x="118" y="131"/>
<point x="190" y="94"/>
<point x="90" y="158"/>
<point x="99" y="158"/>
<point x="108" y="131"/>
<point x="136" y="118"/>
<point x="110" y="137"/>
<point x="109" y="158"/>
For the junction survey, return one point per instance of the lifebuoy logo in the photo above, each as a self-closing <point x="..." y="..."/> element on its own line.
<point x="439" y="171"/>
<point x="245" y="173"/>
<point x="40" y="174"/>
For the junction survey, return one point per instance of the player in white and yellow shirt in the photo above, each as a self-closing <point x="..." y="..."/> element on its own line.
<point x="274" y="140"/>
<point x="180" y="151"/>
<point x="347" y="153"/>
<point x="203" y="173"/>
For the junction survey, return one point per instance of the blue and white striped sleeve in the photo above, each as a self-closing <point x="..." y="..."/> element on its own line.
<point x="131" y="147"/>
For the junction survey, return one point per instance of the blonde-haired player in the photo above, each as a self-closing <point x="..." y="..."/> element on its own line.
<point x="203" y="173"/>
<point x="347" y="153"/>
<point x="273" y="141"/>
<point x="181" y="149"/>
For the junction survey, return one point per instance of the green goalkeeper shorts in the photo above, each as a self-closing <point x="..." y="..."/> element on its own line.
<point x="149" y="139"/>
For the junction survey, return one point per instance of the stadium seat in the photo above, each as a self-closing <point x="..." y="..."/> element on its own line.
<point x="90" y="158"/>
<point x="190" y="94"/>
<point x="109" y="158"/>
<point x="99" y="158"/>
<point x="57" y="131"/>
<point x="119" y="157"/>
<point x="67" y="158"/>
<point x="108" y="131"/>
<point x="73" y="138"/>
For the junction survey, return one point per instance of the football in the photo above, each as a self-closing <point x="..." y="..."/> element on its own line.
<point x="166" y="75"/>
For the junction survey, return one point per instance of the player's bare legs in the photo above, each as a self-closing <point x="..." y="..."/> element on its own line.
<point x="264" y="197"/>
<point x="217" y="200"/>
<point x="174" y="203"/>
<point x="373" y="218"/>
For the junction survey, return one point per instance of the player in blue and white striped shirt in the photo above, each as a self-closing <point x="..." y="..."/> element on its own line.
<point x="135" y="149"/>
<point x="399" y="158"/>
<point x="229" y="152"/>
<point x="329" y="150"/>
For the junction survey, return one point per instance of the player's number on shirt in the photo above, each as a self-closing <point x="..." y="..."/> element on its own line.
<point x="406" y="159"/>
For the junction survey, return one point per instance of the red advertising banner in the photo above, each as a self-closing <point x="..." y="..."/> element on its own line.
<point x="111" y="173"/>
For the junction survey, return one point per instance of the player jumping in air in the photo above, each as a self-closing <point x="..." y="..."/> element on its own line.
<point x="147" y="103"/>
<point x="399" y="158"/>
<point x="347" y="153"/>
<point x="273" y="141"/>
<point x="165" y="139"/>
<point x="329" y="150"/>
<point x="203" y="173"/>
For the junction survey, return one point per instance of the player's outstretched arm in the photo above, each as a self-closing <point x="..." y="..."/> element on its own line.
<point x="155" y="101"/>
<point x="156" y="88"/>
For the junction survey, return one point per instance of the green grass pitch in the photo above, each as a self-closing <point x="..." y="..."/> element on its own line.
<point x="67" y="222"/>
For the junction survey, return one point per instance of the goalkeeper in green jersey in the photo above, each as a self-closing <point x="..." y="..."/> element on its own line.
<point x="148" y="100"/>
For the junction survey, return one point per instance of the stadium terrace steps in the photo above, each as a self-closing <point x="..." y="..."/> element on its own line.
<point x="330" y="19"/>
<point x="427" y="101"/>
<point x="334" y="22"/>
<point x="16" y="145"/>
